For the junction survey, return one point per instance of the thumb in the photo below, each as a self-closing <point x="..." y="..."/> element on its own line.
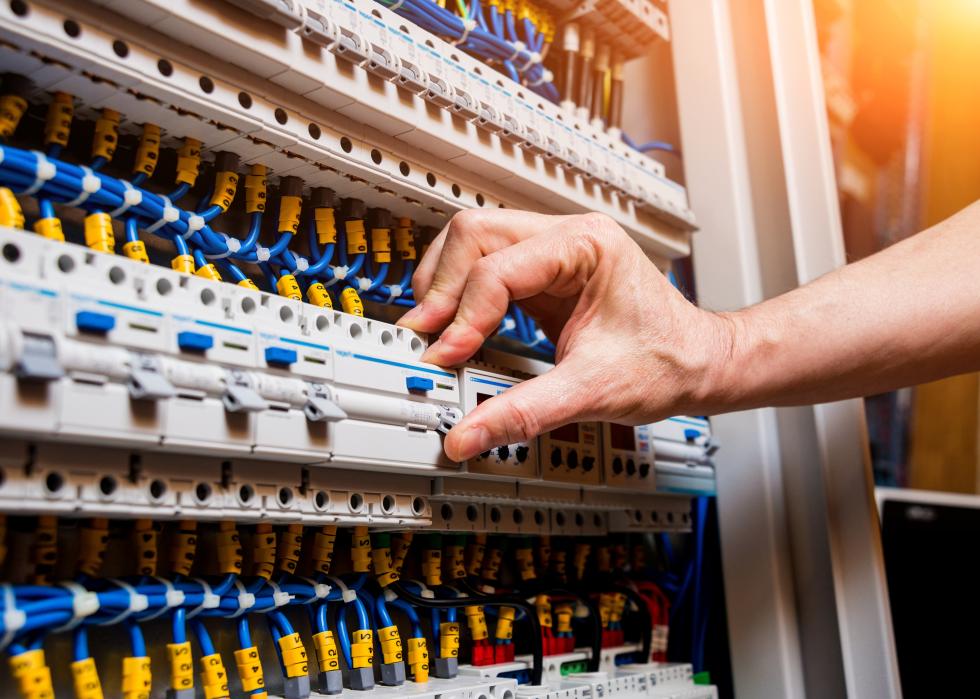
<point x="519" y="413"/>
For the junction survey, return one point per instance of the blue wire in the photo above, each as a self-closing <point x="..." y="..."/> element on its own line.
<point x="649" y="146"/>
<point x="178" y="194"/>
<point x="178" y="623"/>
<point x="342" y="636"/>
<point x="80" y="643"/>
<point x="203" y="637"/>
<point x="132" y="231"/>
<point x="136" y="641"/>
<point x="244" y="633"/>
<point x="412" y="615"/>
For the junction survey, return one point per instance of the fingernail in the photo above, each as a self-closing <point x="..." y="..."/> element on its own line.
<point x="474" y="440"/>
<point x="411" y="315"/>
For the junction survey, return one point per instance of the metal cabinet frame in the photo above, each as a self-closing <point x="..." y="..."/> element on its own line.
<point x="804" y="576"/>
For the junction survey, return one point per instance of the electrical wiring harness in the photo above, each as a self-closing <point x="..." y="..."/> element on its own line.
<point x="348" y="247"/>
<point x="205" y="577"/>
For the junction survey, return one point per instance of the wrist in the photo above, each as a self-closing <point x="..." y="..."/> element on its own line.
<point x="724" y="374"/>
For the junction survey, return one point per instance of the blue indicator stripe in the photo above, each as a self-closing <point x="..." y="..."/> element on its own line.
<point x="476" y="379"/>
<point x="301" y="343"/>
<point x="134" y="309"/>
<point x="688" y="421"/>
<point x="413" y="367"/>
<point x="36" y="289"/>
<point x="221" y="326"/>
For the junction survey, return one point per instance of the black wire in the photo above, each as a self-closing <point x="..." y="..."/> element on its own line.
<point x="537" y="647"/>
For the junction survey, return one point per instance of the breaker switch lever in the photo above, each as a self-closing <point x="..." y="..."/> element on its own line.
<point x="146" y="381"/>
<point x="320" y="408"/>
<point x="448" y="419"/>
<point x="39" y="359"/>
<point x="240" y="396"/>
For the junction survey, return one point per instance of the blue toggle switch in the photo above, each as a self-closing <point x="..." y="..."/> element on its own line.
<point x="280" y="356"/>
<point x="691" y="434"/>
<point x="418" y="383"/>
<point x="190" y="341"/>
<point x="94" y="322"/>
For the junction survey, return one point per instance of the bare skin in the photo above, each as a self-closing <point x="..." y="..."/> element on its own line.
<point x="631" y="349"/>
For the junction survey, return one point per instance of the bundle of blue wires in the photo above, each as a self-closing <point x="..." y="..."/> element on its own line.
<point x="473" y="36"/>
<point x="190" y="233"/>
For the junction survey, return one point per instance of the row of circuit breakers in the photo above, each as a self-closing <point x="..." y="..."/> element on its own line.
<point x="139" y="355"/>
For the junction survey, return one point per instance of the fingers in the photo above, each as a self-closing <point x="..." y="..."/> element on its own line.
<point x="519" y="413"/>
<point x="558" y="262"/>
<point x="470" y="235"/>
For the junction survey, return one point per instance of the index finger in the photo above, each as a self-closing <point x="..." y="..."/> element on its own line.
<point x="441" y="276"/>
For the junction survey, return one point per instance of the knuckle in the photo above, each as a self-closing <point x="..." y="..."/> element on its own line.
<point x="520" y="421"/>
<point x="595" y="222"/>
<point x="466" y="222"/>
<point x="485" y="269"/>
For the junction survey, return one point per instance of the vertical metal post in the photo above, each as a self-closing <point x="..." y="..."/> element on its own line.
<point x="756" y="556"/>
<point x="804" y="579"/>
<point x="863" y="616"/>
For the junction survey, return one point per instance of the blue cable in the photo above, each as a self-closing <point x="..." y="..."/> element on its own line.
<point x="132" y="231"/>
<point x="412" y="615"/>
<point x="136" y="640"/>
<point x="80" y="643"/>
<point x="649" y="146"/>
<point x="244" y="633"/>
<point x="178" y="194"/>
<point x="178" y="622"/>
<point x="203" y="637"/>
<point x="342" y="636"/>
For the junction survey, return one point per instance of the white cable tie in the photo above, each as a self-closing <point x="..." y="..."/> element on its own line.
<point x="210" y="601"/>
<point x="246" y="600"/>
<point x="364" y="283"/>
<point x="489" y="589"/>
<point x="509" y="323"/>
<point x="424" y="591"/>
<point x="84" y="603"/>
<point x="170" y="214"/>
<point x="279" y="598"/>
<point x="194" y="224"/>
<point x="518" y="48"/>
<point x="539" y="336"/>
<point x="1" y="154"/>
<point x="137" y="602"/>
<point x="262" y="254"/>
<point x="172" y="598"/>
<point x="302" y="264"/>
<point x="339" y="274"/>
<point x="393" y="8"/>
<point x="90" y="185"/>
<point x="394" y="291"/>
<point x="468" y="26"/>
<point x="347" y="594"/>
<point x="44" y="170"/>
<point x="13" y="618"/>
<point x="390" y="595"/>
<point x="232" y="245"/>
<point x="546" y="77"/>
<point x="131" y="197"/>
<point x="320" y="590"/>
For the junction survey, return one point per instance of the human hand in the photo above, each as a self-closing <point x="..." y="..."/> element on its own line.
<point x="629" y="347"/>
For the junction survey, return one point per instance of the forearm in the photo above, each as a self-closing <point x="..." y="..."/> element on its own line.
<point x="904" y="316"/>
